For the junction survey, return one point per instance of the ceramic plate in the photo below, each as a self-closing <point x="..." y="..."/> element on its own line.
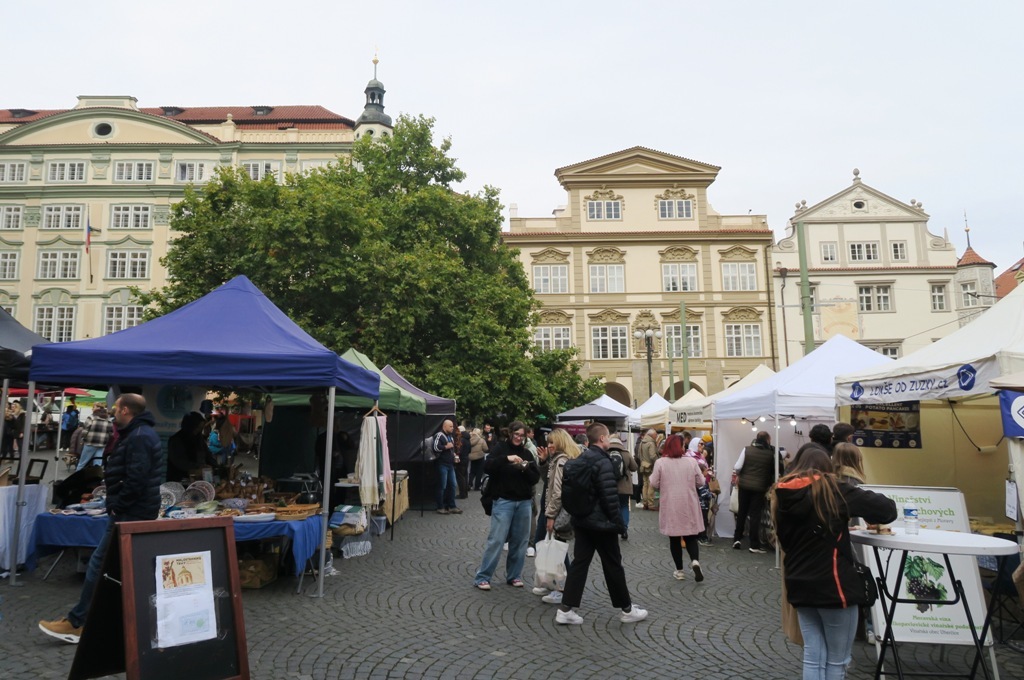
<point x="262" y="517"/>
<point x="209" y="491"/>
<point x="174" y="488"/>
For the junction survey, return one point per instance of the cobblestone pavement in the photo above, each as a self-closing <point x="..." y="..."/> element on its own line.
<point x="408" y="610"/>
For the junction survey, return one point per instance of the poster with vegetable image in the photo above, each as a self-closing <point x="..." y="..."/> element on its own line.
<point x="925" y="575"/>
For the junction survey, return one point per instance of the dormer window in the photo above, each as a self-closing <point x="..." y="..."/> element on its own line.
<point x="262" y="110"/>
<point x="172" y="110"/>
<point x="21" y="113"/>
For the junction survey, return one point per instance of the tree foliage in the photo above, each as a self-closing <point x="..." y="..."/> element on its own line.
<point x="380" y="252"/>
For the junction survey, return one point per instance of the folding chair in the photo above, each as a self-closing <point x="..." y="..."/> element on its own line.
<point x="1004" y="600"/>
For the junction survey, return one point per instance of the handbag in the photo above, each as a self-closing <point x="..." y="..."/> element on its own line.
<point x="563" y="525"/>
<point x="486" y="499"/>
<point x="734" y="501"/>
<point x="715" y="485"/>
<point x="549" y="564"/>
<point x="866" y="591"/>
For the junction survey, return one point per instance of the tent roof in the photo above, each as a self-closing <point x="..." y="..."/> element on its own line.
<point x="233" y="336"/>
<point x="655" y="404"/>
<point x="437" y="406"/>
<point x="15" y="340"/>
<point x="693" y="401"/>
<point x="961" y="363"/>
<point x="591" y="412"/>
<point x="806" y="388"/>
<point x="608" y="402"/>
<point x="1014" y="381"/>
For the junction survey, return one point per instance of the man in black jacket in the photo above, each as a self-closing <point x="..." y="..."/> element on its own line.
<point x="599" y="531"/>
<point x="134" y="472"/>
<point x="756" y="470"/>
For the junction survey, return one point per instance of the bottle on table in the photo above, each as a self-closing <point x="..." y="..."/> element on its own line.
<point x="910" y="519"/>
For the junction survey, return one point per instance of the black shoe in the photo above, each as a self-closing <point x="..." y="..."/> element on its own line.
<point x="625" y="535"/>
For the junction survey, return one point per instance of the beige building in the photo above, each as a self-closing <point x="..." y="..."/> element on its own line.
<point x="637" y="237"/>
<point x="86" y="193"/>
<point x="877" y="275"/>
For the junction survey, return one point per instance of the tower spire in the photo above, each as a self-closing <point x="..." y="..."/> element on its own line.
<point x="373" y="120"/>
<point x="967" y="229"/>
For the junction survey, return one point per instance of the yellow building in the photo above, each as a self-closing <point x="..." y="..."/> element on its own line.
<point x="86" y="193"/>
<point x="637" y="237"/>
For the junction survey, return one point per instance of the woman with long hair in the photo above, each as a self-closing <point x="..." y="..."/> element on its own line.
<point x="849" y="463"/>
<point x="677" y="479"/>
<point x="812" y="508"/>
<point x="561" y="449"/>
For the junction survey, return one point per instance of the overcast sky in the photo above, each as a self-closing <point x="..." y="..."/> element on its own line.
<point x="925" y="98"/>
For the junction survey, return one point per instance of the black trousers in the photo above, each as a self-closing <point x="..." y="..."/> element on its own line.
<point x="752" y="506"/>
<point x="606" y="545"/>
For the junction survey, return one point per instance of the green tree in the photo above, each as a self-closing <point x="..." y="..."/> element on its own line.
<point x="380" y="252"/>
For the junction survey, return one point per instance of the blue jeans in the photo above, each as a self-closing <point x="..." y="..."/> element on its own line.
<point x="510" y="521"/>
<point x="828" y="641"/>
<point x="88" y="455"/>
<point x="624" y="507"/>
<point x="446" y="486"/>
<point x="92" y="575"/>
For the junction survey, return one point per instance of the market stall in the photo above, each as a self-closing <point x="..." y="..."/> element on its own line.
<point x="234" y="337"/>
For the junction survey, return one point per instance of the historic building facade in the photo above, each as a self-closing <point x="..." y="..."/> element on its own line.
<point x="86" y="193"/>
<point x="876" y="274"/>
<point x="637" y="237"/>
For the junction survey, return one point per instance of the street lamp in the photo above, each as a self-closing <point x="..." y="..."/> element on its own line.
<point x="648" y="337"/>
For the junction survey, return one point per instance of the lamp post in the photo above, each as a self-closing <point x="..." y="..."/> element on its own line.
<point x="648" y="337"/>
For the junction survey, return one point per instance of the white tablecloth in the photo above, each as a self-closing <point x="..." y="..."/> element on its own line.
<point x="35" y="503"/>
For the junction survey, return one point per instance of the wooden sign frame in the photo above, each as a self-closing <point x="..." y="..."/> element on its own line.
<point x="120" y="628"/>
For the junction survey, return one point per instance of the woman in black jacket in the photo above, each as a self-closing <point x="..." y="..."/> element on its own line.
<point x="812" y="510"/>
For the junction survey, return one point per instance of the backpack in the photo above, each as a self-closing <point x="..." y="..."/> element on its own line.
<point x="578" y="481"/>
<point x="618" y="465"/>
<point x="486" y="499"/>
<point x="72" y="421"/>
<point x="428" y="449"/>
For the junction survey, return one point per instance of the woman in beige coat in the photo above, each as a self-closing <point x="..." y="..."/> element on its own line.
<point x="477" y="452"/>
<point x="561" y="449"/>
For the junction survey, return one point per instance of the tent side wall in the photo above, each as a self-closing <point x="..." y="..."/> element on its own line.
<point x="947" y="457"/>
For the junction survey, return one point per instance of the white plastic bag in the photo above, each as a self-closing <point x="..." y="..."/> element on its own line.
<point x="734" y="501"/>
<point x="550" y="563"/>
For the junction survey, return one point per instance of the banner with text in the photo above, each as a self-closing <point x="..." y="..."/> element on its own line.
<point x="1011" y="407"/>
<point x="955" y="380"/>
<point x="887" y="426"/>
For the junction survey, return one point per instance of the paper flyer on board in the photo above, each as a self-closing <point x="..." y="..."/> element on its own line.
<point x="184" y="599"/>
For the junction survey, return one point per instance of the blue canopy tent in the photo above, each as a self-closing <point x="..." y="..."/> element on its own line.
<point x="232" y="337"/>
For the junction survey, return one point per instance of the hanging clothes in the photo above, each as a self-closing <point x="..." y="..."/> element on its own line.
<point x="384" y="464"/>
<point x="366" y="463"/>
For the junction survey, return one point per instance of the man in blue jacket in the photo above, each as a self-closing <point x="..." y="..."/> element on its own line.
<point x="135" y="470"/>
<point x="599" y="532"/>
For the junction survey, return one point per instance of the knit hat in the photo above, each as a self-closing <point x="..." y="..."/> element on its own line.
<point x="706" y="438"/>
<point x="615" y="443"/>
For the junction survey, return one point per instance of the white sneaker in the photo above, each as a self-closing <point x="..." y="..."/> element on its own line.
<point x="552" y="598"/>
<point x="679" y="575"/>
<point x="571" y="618"/>
<point x="871" y="639"/>
<point x="537" y="590"/>
<point x="633" y="615"/>
<point x="505" y="548"/>
<point x="530" y="552"/>
<point x="698" y="575"/>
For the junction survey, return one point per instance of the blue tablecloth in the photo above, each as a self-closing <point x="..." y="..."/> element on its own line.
<point x="55" y="532"/>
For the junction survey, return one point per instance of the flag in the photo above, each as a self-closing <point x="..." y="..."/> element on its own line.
<point x="1011" y="405"/>
<point x="88" y="236"/>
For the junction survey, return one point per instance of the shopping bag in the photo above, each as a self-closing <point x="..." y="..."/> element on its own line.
<point x="549" y="563"/>
<point x="734" y="501"/>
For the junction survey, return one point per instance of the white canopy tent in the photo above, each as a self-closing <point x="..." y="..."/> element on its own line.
<point x="610" y="403"/>
<point x="664" y="415"/>
<point x="702" y="410"/>
<point x="796" y="396"/>
<point x="655" y="405"/>
<point x="1014" y="381"/>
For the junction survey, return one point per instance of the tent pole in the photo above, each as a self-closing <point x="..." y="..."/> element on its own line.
<point x="778" y="550"/>
<point x="6" y="389"/>
<point x="325" y="496"/>
<point x="22" y="473"/>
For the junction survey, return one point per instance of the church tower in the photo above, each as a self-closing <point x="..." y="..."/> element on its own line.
<point x="374" y="121"/>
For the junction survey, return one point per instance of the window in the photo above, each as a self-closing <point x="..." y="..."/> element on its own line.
<point x="604" y="210"/>
<point x="742" y="339"/>
<point x="257" y="170"/>
<point x="8" y="265"/>
<point x="119" y="317"/>
<point x="676" y="277"/>
<point x="551" y="278"/>
<point x="891" y="351"/>
<point x="552" y="337"/>
<point x="12" y="172"/>
<point x="133" y="171"/>
<point x="739" y="276"/>
<point x="874" y="298"/>
<point x="675" y="210"/>
<point x="673" y="340"/>
<point x="829" y="253"/>
<point x="938" y="297"/>
<point x="10" y="216"/>
<point x="609" y="342"/>
<point x="863" y="252"/>
<point x="969" y="293"/>
<point x="62" y="217"/>
<point x="191" y="171"/>
<point x="56" y="324"/>
<point x="58" y="264"/>
<point x="130" y="217"/>
<point x="316" y="163"/>
<point x="814" y="299"/>
<point x="127" y="264"/>
<point x="607" y="278"/>
<point x="899" y="251"/>
<point x="66" y="171"/>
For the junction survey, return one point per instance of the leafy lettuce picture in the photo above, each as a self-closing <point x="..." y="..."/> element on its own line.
<point x="922" y="577"/>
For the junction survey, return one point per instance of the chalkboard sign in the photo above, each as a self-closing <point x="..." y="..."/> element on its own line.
<point x="144" y="621"/>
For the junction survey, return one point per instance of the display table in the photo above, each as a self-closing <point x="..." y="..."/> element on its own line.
<point x="943" y="543"/>
<point x="35" y="503"/>
<point x="55" y="532"/>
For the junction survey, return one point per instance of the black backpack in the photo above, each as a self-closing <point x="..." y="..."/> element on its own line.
<point x="486" y="499"/>
<point x="618" y="465"/>
<point x="579" y="479"/>
<point x="428" y="449"/>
